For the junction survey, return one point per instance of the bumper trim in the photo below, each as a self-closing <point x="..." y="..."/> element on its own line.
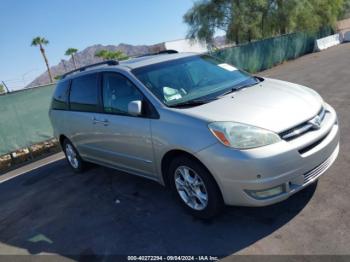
<point x="312" y="175"/>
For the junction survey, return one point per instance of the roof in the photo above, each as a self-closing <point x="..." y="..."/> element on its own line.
<point x="130" y="63"/>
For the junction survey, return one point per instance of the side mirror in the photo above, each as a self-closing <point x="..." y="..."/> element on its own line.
<point x="135" y="108"/>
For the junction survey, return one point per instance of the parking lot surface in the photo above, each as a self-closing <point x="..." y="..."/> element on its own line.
<point x="104" y="212"/>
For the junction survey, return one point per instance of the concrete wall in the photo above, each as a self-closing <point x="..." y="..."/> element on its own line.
<point x="328" y="41"/>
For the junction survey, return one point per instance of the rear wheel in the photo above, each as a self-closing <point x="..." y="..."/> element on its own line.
<point x="195" y="188"/>
<point x="73" y="157"/>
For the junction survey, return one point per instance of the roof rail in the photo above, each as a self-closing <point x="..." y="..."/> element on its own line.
<point x="83" y="68"/>
<point x="169" y="51"/>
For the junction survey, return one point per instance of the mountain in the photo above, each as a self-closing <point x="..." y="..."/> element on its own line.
<point x="87" y="57"/>
<point x="220" y="41"/>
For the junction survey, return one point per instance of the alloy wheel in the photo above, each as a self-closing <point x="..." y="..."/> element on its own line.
<point x="191" y="188"/>
<point x="72" y="156"/>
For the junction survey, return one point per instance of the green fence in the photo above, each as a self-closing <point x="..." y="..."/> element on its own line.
<point x="260" y="55"/>
<point x="24" y="118"/>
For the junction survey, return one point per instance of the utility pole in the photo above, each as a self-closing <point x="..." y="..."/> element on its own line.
<point x="7" y="90"/>
<point x="64" y="65"/>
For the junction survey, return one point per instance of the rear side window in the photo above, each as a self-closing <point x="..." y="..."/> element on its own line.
<point x="84" y="93"/>
<point x="60" y="97"/>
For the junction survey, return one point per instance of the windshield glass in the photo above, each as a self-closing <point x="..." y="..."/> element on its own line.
<point x="191" y="79"/>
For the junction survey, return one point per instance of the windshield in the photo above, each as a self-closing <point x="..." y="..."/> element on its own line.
<point x="191" y="79"/>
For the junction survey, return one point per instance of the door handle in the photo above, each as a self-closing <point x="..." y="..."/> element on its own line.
<point x="95" y="121"/>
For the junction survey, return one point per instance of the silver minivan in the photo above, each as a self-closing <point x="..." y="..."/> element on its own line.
<point x="212" y="133"/>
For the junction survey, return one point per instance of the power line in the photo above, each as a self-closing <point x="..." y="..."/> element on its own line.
<point x="8" y="91"/>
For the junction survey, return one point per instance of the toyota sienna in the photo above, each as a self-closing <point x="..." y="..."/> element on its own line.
<point x="212" y="133"/>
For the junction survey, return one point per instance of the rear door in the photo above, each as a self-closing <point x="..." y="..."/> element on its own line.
<point x="124" y="141"/>
<point x="83" y="105"/>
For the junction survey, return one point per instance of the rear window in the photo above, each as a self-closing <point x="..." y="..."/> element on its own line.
<point x="84" y="93"/>
<point x="60" y="97"/>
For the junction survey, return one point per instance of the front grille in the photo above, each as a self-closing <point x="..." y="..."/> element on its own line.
<point x="309" y="147"/>
<point x="317" y="171"/>
<point x="302" y="128"/>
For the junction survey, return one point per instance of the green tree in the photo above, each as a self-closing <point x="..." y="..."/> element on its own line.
<point x="306" y="15"/>
<point x="328" y="11"/>
<point x="345" y="13"/>
<point x="108" y="55"/>
<point x="2" y="89"/>
<point x="71" y="52"/>
<point x="41" y="42"/>
<point x="244" y="20"/>
<point x="240" y="20"/>
<point x="102" y="54"/>
<point x="117" y="55"/>
<point x="205" y="17"/>
<point x="252" y="19"/>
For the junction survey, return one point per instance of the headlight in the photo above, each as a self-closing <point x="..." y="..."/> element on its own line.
<point x="242" y="136"/>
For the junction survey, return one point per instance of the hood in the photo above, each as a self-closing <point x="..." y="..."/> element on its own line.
<point x="272" y="104"/>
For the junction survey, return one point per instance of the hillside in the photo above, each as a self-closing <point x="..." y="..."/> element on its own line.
<point x="87" y="56"/>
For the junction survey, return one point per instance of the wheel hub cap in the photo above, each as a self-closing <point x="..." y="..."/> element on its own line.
<point x="191" y="188"/>
<point x="72" y="156"/>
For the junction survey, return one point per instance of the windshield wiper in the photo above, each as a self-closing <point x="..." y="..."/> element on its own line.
<point x="231" y="90"/>
<point x="194" y="102"/>
<point x="237" y="88"/>
<point x="246" y="85"/>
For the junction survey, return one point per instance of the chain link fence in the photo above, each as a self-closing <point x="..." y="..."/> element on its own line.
<point x="264" y="54"/>
<point x="25" y="128"/>
<point x="24" y="118"/>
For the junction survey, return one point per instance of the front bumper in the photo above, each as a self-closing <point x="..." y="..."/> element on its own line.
<point x="284" y="163"/>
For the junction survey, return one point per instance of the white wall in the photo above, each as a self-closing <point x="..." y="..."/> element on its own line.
<point x="329" y="41"/>
<point x="185" y="45"/>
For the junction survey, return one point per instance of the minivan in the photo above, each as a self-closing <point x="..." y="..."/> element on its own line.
<point x="207" y="130"/>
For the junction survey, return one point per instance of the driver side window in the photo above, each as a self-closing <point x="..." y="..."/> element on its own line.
<point x="118" y="92"/>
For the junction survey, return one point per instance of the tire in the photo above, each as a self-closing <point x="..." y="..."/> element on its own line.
<point x="204" y="199"/>
<point x="73" y="158"/>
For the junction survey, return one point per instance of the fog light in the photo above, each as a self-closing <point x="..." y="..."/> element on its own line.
<point x="267" y="193"/>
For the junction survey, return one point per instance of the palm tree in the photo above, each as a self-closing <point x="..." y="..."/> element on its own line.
<point x="58" y="77"/>
<point x="71" y="52"/>
<point x="41" y="41"/>
<point x="117" y="55"/>
<point x="102" y="54"/>
<point x="106" y="55"/>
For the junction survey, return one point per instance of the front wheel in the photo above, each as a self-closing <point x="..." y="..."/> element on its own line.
<point x="73" y="157"/>
<point x="195" y="188"/>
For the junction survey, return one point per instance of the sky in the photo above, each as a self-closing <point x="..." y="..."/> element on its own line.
<point x="79" y="24"/>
